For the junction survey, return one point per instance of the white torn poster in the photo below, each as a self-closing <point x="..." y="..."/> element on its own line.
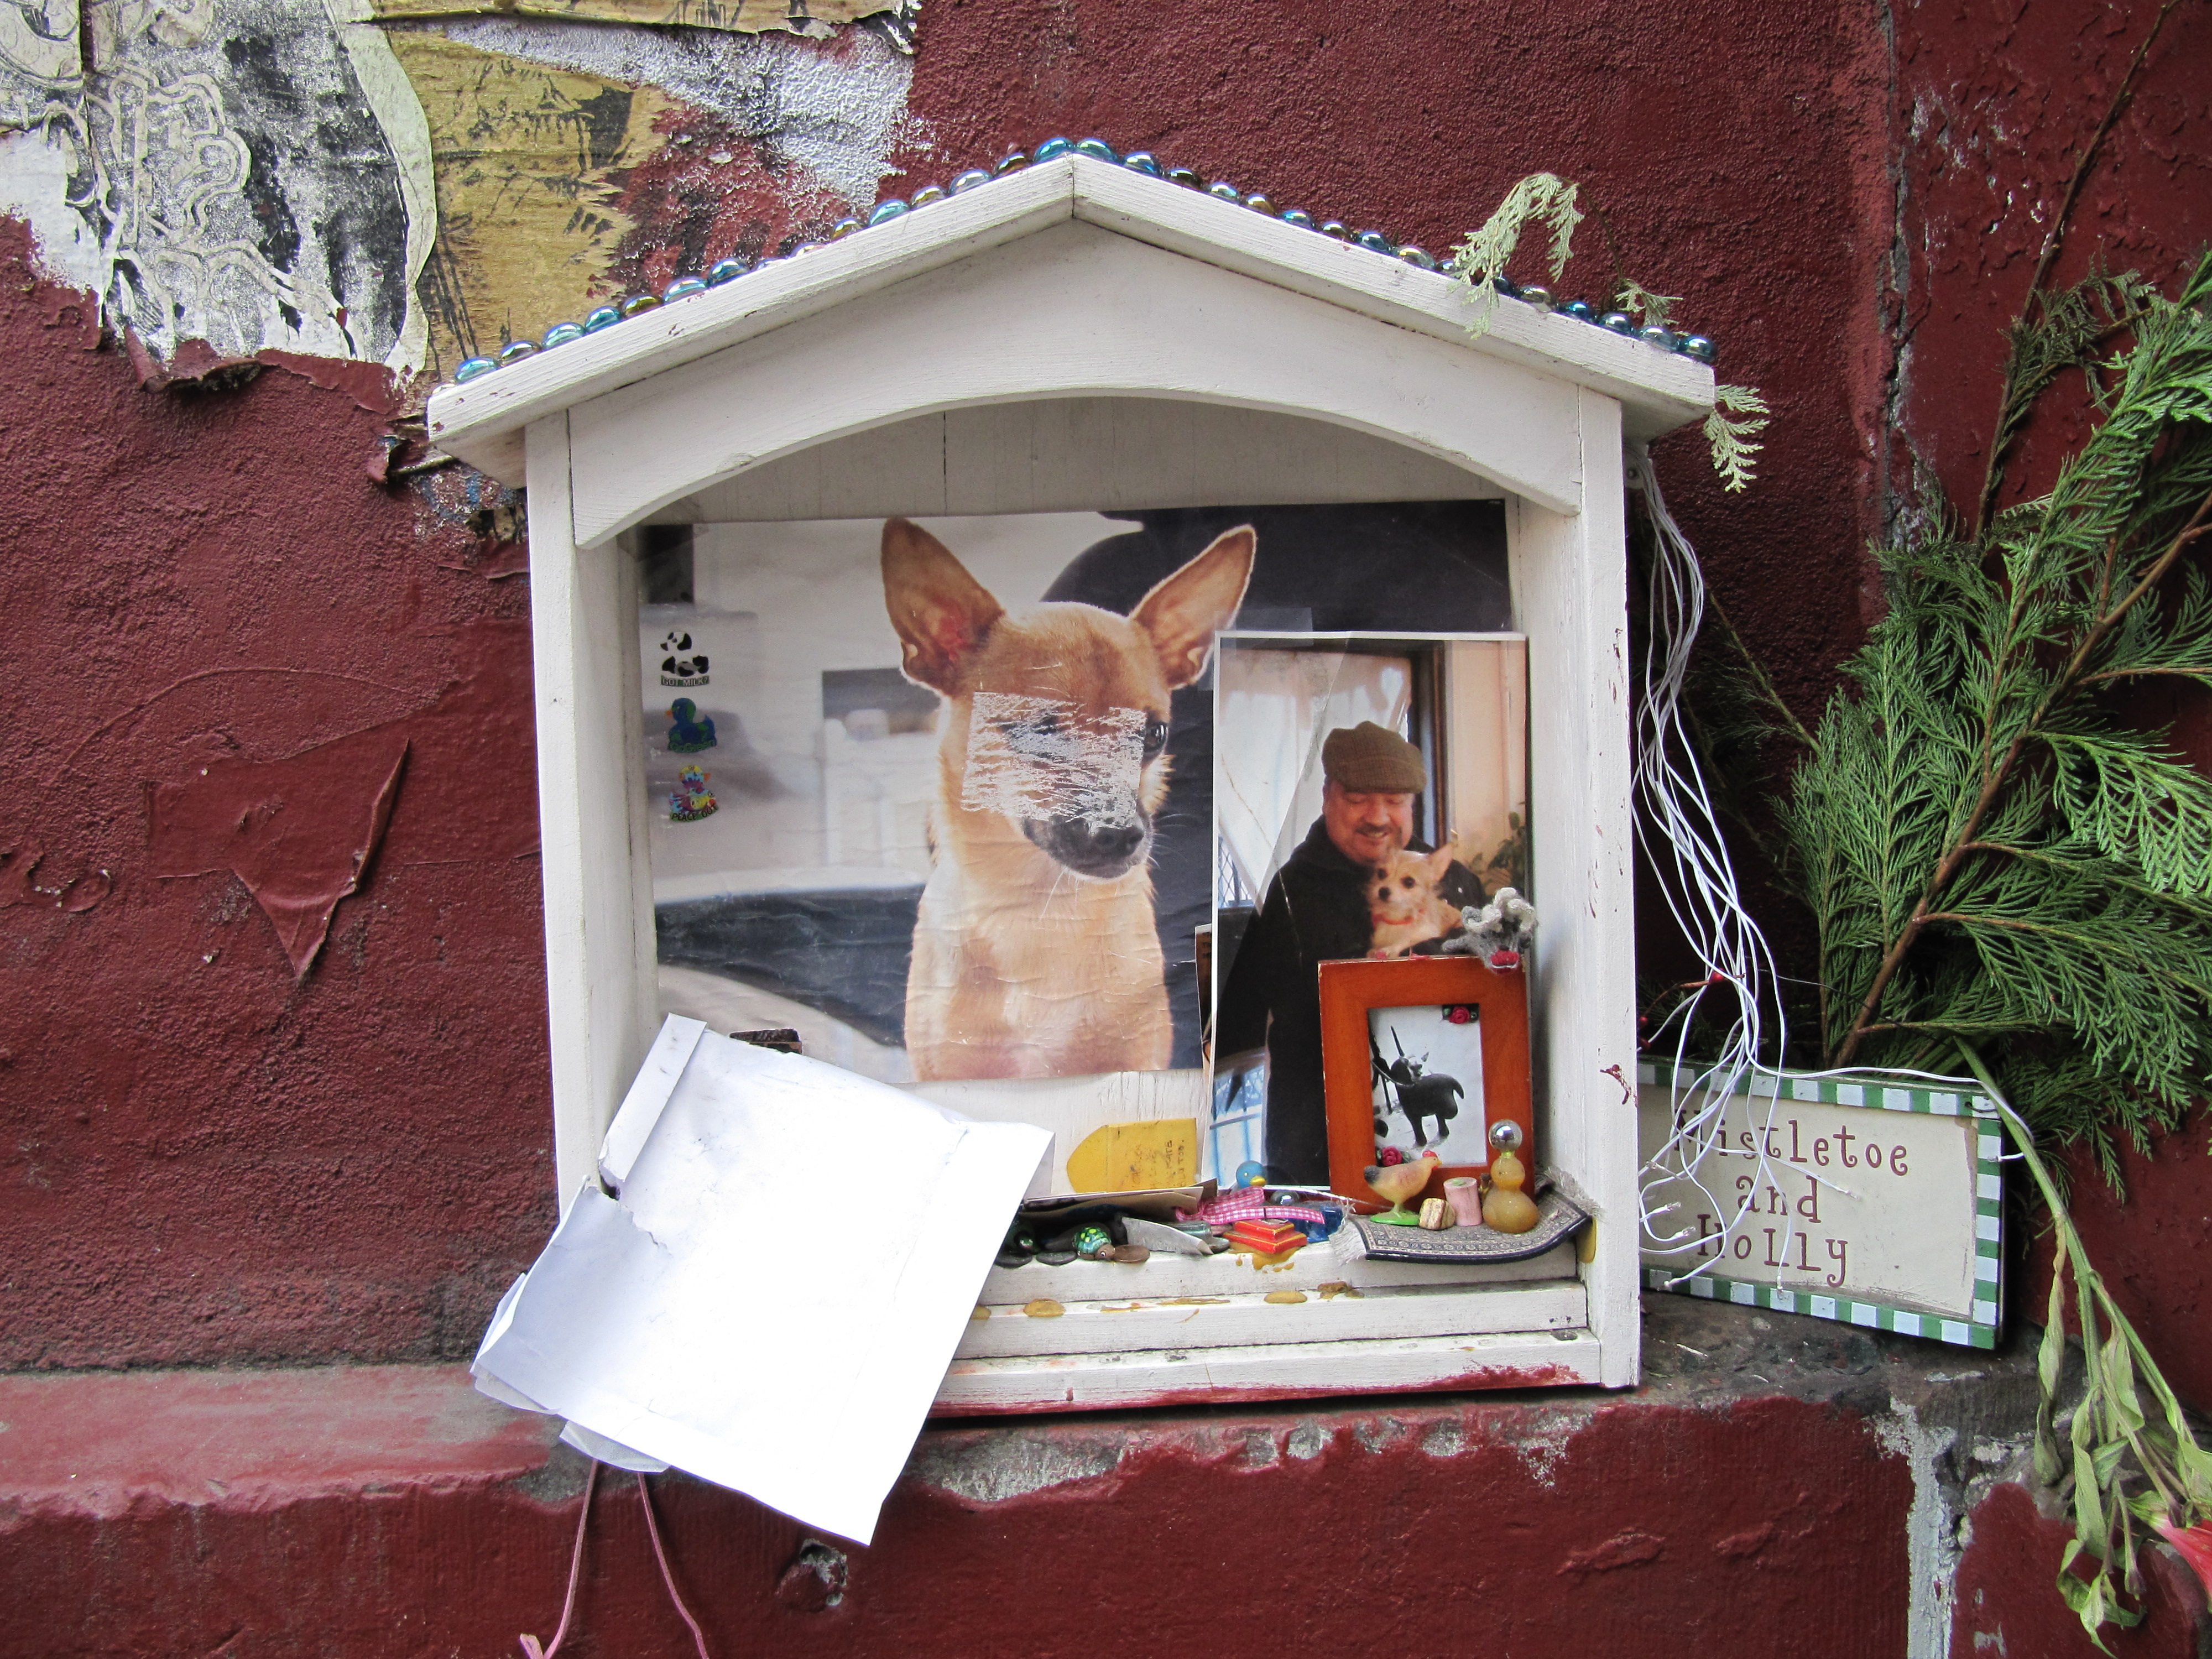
<point x="771" y="1301"/>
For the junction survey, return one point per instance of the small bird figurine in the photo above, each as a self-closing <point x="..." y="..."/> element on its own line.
<point x="1399" y="1183"/>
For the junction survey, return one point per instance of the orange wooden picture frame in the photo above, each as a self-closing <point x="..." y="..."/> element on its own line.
<point x="1350" y="989"/>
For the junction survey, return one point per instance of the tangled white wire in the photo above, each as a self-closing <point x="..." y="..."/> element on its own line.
<point x="1682" y="840"/>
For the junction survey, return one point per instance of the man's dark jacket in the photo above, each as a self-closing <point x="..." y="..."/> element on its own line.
<point x="1316" y="912"/>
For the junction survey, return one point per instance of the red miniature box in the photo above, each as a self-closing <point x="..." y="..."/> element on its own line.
<point x="1268" y="1237"/>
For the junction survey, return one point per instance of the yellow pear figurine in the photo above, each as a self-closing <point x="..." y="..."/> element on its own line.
<point x="1505" y="1207"/>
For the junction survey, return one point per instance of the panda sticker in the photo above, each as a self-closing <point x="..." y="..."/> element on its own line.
<point x="680" y="665"/>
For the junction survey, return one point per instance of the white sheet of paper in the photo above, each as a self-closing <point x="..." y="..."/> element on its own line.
<point x="771" y="1303"/>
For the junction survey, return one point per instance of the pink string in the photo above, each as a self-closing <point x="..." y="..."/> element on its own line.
<point x="668" y="1578"/>
<point x="529" y="1647"/>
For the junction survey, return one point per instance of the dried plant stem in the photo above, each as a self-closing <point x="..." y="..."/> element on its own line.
<point x="2048" y="255"/>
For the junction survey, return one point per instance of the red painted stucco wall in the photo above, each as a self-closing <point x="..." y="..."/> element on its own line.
<point x="206" y="1159"/>
<point x="217" y="1163"/>
<point x="207" y="600"/>
<point x="1523" y="1528"/>
<point x="1738" y="155"/>
<point x="220" y="1163"/>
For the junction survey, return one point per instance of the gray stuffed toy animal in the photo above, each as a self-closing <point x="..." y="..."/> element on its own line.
<point x="1502" y="928"/>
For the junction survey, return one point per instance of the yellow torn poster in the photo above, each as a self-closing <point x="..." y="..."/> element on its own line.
<point x="527" y="164"/>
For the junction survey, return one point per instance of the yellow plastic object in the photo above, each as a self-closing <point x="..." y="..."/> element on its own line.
<point x="1505" y="1207"/>
<point x="1130" y="1156"/>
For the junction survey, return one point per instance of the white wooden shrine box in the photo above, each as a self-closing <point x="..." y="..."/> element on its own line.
<point x="1076" y="336"/>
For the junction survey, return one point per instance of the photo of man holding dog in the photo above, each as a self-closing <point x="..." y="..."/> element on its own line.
<point x="1316" y="910"/>
<point x="964" y="767"/>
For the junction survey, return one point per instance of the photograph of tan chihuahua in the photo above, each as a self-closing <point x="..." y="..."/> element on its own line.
<point x="1036" y="952"/>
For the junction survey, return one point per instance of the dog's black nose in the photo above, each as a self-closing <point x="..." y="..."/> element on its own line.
<point x="1091" y="849"/>
<point x="1117" y="842"/>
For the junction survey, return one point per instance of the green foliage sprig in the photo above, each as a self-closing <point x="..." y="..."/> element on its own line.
<point x="1989" y="853"/>
<point x="1731" y="439"/>
<point x="1639" y="302"/>
<point x="1541" y="198"/>
<point x="1547" y="199"/>
<point x="1995" y="861"/>
<point x="2123" y="1468"/>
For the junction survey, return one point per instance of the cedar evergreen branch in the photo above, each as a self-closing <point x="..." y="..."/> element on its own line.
<point x="2003" y="873"/>
<point x="1739" y="412"/>
<point x="1990" y="855"/>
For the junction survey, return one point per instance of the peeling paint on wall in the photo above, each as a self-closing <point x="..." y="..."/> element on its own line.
<point x="220" y="174"/>
<point x="813" y="18"/>
<point x="1931" y="1536"/>
<point x="298" y="832"/>
<point x="576" y="162"/>
<point x="830" y="116"/>
<point x="38" y="59"/>
<point x="310" y="176"/>
<point x="527" y="159"/>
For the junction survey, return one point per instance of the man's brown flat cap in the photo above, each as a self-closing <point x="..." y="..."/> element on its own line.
<point x="1368" y="757"/>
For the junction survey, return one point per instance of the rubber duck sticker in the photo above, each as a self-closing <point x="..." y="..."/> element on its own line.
<point x="692" y="731"/>
<point x="691" y="799"/>
<point x="680" y="663"/>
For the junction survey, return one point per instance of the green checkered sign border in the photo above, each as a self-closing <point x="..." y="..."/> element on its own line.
<point x="1876" y="1094"/>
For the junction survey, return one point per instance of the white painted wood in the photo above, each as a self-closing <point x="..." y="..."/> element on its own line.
<point x="1660" y="391"/>
<point x="1078" y="454"/>
<point x="1072" y="310"/>
<point x="469" y="420"/>
<point x="1249" y="1318"/>
<point x="1232" y="1274"/>
<point x="591" y="794"/>
<point x="1106" y="346"/>
<point x="1658" y="387"/>
<point x="1275" y="1371"/>
<point x="1569" y="584"/>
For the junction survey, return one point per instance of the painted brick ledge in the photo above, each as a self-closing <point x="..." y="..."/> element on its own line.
<point x="1780" y="1487"/>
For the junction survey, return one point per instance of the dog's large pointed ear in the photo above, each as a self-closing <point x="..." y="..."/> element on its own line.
<point x="940" y="611"/>
<point x="1182" y="615"/>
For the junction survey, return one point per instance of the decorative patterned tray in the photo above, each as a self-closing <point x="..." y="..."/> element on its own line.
<point x="1556" y="1218"/>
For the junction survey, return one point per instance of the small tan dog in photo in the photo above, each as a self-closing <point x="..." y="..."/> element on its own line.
<point x="1034" y="952"/>
<point x="1404" y="904"/>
